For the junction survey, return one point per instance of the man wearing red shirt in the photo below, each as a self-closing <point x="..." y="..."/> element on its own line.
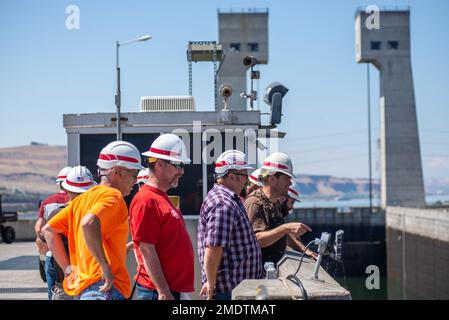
<point x="163" y="247"/>
<point x="51" y="203"/>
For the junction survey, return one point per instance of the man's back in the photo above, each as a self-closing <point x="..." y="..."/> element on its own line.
<point x="108" y="205"/>
<point x="223" y="222"/>
<point x="52" y="203"/>
<point x="156" y="221"/>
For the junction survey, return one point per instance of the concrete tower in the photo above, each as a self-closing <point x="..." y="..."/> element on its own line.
<point x="384" y="41"/>
<point x="241" y="34"/>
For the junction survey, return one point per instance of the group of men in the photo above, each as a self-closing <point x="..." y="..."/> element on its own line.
<point x="84" y="229"/>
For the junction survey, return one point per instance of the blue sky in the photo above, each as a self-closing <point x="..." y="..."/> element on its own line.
<point x="47" y="70"/>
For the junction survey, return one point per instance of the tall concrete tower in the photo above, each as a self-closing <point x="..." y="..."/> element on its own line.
<point x="242" y="33"/>
<point x="384" y="41"/>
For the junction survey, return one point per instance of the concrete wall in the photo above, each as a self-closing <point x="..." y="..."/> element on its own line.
<point x="24" y="229"/>
<point x="417" y="253"/>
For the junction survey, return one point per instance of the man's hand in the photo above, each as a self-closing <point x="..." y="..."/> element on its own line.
<point x="311" y="253"/>
<point x="207" y="291"/>
<point x="41" y="246"/>
<point x="297" y="229"/>
<point x="165" y="295"/>
<point x="108" y="278"/>
<point x="130" y="246"/>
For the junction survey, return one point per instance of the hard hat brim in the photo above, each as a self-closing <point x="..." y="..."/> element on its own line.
<point x="257" y="183"/>
<point x="77" y="189"/>
<point x="277" y="170"/>
<point x="166" y="157"/>
<point x="294" y="197"/>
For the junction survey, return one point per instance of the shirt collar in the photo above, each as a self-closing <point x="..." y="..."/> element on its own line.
<point x="227" y="190"/>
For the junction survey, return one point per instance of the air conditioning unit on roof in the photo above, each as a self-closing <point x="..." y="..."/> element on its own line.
<point x="167" y="104"/>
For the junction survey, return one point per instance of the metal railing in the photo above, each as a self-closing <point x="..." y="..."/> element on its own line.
<point x="384" y="9"/>
<point x="242" y="10"/>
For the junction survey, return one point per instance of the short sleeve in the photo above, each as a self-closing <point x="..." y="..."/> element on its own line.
<point x="110" y="209"/>
<point x="145" y="222"/>
<point x="219" y="225"/>
<point x="41" y="210"/>
<point x="256" y="216"/>
<point x="60" y="220"/>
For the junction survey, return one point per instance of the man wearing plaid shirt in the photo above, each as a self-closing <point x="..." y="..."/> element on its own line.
<point x="227" y="246"/>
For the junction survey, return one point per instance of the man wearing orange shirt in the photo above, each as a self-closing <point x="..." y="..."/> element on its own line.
<point x="96" y="226"/>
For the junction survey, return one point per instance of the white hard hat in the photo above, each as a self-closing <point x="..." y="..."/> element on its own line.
<point x="143" y="175"/>
<point x="168" y="146"/>
<point x="231" y="159"/>
<point x="79" y="180"/>
<point x="277" y="162"/>
<point x="293" y="191"/>
<point x="63" y="174"/>
<point x="254" y="178"/>
<point x="119" y="154"/>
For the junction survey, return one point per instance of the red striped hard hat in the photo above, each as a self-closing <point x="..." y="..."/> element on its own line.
<point x="63" y="174"/>
<point x="79" y="180"/>
<point x="231" y="159"/>
<point x="143" y="176"/>
<point x="277" y="162"/>
<point x="254" y="178"/>
<point x="170" y="147"/>
<point x="293" y="191"/>
<point x="119" y="154"/>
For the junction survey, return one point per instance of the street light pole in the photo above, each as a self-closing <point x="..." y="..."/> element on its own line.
<point x="369" y="142"/>
<point x="118" y="94"/>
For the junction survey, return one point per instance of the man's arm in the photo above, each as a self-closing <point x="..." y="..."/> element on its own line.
<point x="56" y="246"/>
<point x="91" y="226"/>
<point x="41" y="245"/>
<point x="267" y="238"/>
<point x="38" y="226"/>
<point x="154" y="270"/>
<point x="212" y="259"/>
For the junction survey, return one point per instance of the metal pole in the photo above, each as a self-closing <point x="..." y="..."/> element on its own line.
<point x="369" y="142"/>
<point x="252" y="89"/>
<point x="118" y="94"/>
<point x="215" y="75"/>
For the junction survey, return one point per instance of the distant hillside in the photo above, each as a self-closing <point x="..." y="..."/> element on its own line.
<point x="28" y="172"/>
<point x="326" y="186"/>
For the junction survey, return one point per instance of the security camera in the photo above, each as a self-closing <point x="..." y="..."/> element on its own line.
<point x="272" y="89"/>
<point x="274" y="94"/>
<point x="249" y="61"/>
<point x="225" y="90"/>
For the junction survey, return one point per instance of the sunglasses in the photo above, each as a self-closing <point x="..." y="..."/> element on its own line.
<point x="177" y="165"/>
<point x="240" y="174"/>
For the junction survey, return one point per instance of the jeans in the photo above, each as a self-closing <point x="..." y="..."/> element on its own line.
<point x="50" y="273"/>
<point x="222" y="296"/>
<point x="93" y="293"/>
<point x="59" y="293"/>
<point x="150" y="294"/>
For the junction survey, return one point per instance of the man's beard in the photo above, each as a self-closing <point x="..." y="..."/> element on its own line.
<point x="174" y="183"/>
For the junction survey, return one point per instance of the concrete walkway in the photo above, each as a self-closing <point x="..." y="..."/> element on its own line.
<point x="19" y="272"/>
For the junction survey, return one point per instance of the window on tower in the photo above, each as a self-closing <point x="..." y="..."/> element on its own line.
<point x="376" y="45"/>
<point x="235" y="47"/>
<point x="253" y="47"/>
<point x="393" y="45"/>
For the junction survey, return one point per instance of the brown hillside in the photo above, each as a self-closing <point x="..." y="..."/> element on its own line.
<point x="31" y="168"/>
